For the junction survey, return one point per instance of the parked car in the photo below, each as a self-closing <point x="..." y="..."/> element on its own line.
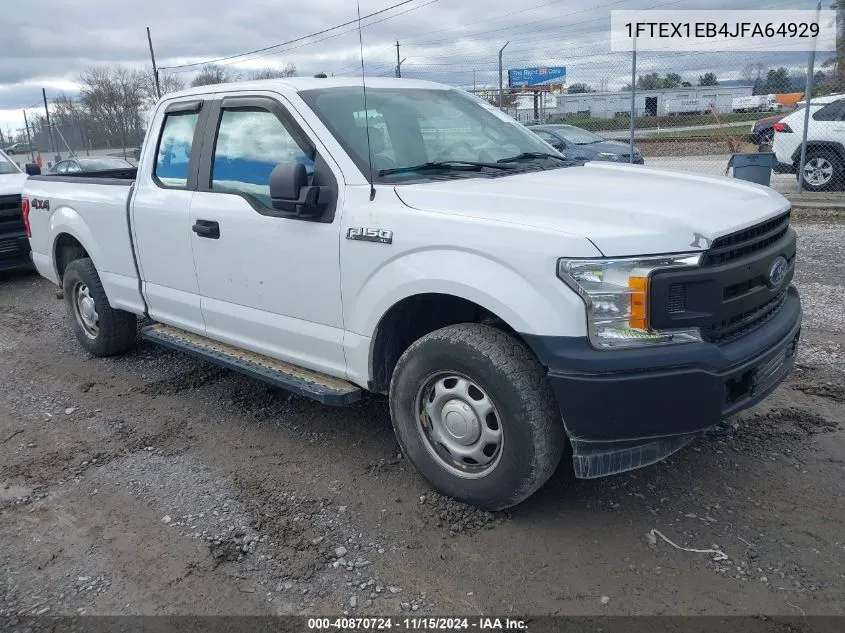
<point x="14" y="245"/>
<point x="88" y="164"/>
<point x="824" y="165"/>
<point x="503" y="298"/>
<point x="578" y="144"/>
<point x="20" y="148"/>
<point x="763" y="131"/>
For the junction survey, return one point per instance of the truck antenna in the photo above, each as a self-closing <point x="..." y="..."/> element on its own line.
<point x="366" y="112"/>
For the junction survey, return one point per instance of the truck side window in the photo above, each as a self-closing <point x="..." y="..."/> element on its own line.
<point x="250" y="143"/>
<point x="174" y="149"/>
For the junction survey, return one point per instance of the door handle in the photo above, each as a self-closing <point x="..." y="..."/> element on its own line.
<point x="207" y="228"/>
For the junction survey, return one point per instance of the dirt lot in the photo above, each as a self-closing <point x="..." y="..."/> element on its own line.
<point x="156" y="484"/>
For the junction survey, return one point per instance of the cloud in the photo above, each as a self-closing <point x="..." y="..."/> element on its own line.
<point x="52" y="41"/>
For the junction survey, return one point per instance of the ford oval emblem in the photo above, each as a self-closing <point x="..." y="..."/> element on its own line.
<point x="777" y="271"/>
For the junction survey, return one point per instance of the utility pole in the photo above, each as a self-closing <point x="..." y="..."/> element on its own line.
<point x="49" y="127"/>
<point x="398" y="61"/>
<point x="155" y="68"/>
<point x="473" y="81"/>
<point x="501" y="87"/>
<point x="28" y="138"/>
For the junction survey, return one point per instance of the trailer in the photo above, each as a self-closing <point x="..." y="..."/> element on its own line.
<point x="756" y="103"/>
<point x="688" y="106"/>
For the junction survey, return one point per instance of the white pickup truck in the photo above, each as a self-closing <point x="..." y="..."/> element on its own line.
<point x="428" y="247"/>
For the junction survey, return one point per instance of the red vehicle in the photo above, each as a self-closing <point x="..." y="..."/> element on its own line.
<point x="763" y="132"/>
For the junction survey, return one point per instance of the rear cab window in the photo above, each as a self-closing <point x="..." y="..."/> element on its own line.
<point x="174" y="149"/>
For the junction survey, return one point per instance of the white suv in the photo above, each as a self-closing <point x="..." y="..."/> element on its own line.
<point x="824" y="166"/>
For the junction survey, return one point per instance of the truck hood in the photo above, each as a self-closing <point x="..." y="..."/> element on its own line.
<point x="624" y="210"/>
<point x="11" y="184"/>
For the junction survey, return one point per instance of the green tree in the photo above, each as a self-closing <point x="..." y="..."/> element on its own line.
<point x="579" y="88"/>
<point x="777" y="81"/>
<point x="708" y="79"/>
<point x="652" y="81"/>
<point x="672" y="80"/>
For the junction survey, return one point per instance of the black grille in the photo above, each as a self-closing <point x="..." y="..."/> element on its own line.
<point x="747" y="241"/>
<point x="11" y="219"/>
<point x="677" y="299"/>
<point x="740" y="324"/>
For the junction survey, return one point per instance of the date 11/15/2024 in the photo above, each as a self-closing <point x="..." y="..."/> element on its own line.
<point x="422" y="623"/>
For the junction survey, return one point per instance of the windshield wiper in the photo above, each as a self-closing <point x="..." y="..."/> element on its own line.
<point x="532" y="156"/>
<point x="446" y="165"/>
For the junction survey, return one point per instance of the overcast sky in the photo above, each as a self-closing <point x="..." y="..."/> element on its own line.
<point x="47" y="43"/>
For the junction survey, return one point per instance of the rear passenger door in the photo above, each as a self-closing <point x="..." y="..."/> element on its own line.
<point x="269" y="280"/>
<point x="161" y="210"/>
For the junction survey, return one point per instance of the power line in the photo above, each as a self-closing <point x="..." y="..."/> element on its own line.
<point x="293" y="41"/>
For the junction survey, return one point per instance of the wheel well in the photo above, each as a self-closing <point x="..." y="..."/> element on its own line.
<point x="67" y="249"/>
<point x="836" y="148"/>
<point x="414" y="317"/>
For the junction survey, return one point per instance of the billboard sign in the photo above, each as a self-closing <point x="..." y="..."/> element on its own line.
<point x="526" y="77"/>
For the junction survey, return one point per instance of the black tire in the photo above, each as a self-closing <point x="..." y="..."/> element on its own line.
<point x="837" y="178"/>
<point x="116" y="330"/>
<point x="533" y="436"/>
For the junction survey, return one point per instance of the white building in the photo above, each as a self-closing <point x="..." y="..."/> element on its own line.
<point x="606" y="105"/>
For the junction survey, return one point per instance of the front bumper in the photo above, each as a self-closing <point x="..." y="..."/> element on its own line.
<point x="14" y="251"/>
<point x="630" y="408"/>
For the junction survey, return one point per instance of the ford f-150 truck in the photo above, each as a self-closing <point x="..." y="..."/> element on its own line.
<point x="414" y="241"/>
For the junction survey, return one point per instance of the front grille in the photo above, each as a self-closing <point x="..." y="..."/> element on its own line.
<point x="738" y="325"/>
<point x="11" y="219"/>
<point x="677" y="301"/>
<point x="747" y="241"/>
<point x="730" y="293"/>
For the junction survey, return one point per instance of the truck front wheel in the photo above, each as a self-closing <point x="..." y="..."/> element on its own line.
<point x="101" y="329"/>
<point x="474" y="413"/>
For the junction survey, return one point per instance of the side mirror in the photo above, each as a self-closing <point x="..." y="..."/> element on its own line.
<point x="32" y="169"/>
<point x="289" y="191"/>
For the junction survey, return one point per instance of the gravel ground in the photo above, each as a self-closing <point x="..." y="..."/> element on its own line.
<point x="156" y="484"/>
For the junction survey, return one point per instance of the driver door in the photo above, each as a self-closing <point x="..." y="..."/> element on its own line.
<point x="269" y="281"/>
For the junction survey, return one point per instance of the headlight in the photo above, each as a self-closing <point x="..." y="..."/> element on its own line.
<point x="616" y="292"/>
<point x="607" y="156"/>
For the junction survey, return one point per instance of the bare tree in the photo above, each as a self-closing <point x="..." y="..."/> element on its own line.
<point x="167" y="83"/>
<point x="287" y="70"/>
<point x="113" y="97"/>
<point x="213" y="74"/>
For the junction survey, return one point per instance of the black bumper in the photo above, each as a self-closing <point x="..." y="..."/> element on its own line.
<point x="661" y="398"/>
<point x="14" y="251"/>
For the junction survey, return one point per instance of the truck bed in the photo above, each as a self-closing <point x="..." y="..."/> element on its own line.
<point x="104" y="176"/>
<point x="94" y="207"/>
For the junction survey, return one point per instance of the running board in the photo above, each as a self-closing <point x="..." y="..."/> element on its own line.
<point x="311" y="384"/>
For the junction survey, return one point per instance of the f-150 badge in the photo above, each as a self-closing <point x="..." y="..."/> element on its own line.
<point x="363" y="234"/>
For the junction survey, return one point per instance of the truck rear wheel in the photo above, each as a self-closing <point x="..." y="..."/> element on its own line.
<point x="474" y="413"/>
<point x="101" y="329"/>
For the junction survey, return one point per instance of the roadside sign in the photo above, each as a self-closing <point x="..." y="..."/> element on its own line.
<point x="524" y="77"/>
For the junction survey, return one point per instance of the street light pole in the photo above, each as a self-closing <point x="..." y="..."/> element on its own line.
<point x="501" y="87"/>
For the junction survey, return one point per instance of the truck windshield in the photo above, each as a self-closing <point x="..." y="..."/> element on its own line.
<point x="425" y="133"/>
<point x="7" y="166"/>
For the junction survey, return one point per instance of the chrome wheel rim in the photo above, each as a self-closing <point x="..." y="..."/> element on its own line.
<point x="818" y="171"/>
<point x="459" y="424"/>
<point x="85" y="310"/>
